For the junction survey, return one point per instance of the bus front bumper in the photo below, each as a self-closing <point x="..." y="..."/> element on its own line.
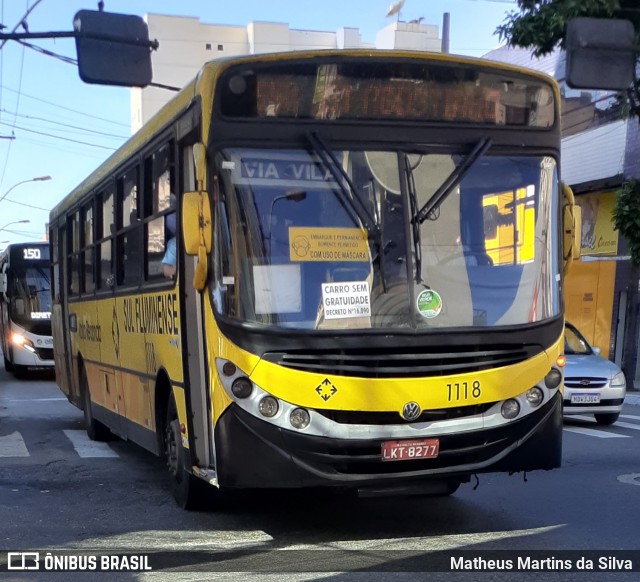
<point x="251" y="453"/>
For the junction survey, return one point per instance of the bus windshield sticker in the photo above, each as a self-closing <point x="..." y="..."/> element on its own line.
<point x="429" y="304"/>
<point x="342" y="300"/>
<point x="328" y="244"/>
<point x="278" y="289"/>
<point x="283" y="170"/>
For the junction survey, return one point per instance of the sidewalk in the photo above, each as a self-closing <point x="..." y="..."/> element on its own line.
<point x="632" y="398"/>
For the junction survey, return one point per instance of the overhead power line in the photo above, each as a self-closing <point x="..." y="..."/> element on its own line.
<point x="66" y="108"/>
<point x="58" y="136"/>
<point x="83" y="129"/>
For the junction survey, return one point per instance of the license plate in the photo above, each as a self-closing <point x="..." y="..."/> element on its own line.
<point x="585" y="398"/>
<point x="408" y="450"/>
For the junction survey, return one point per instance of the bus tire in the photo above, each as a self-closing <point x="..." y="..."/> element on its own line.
<point x="189" y="492"/>
<point x="96" y="431"/>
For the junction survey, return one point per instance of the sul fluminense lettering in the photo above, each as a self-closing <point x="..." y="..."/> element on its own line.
<point x="151" y="314"/>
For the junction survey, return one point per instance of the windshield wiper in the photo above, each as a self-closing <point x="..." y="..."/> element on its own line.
<point x="350" y="199"/>
<point x="440" y="195"/>
<point x="350" y="196"/>
<point x="415" y="225"/>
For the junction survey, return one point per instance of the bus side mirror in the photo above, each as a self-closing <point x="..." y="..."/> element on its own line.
<point x="571" y="228"/>
<point x="600" y="53"/>
<point x="113" y="49"/>
<point x="196" y="232"/>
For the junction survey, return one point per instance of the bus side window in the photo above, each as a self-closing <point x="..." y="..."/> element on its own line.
<point x="88" y="284"/>
<point x="160" y="207"/>
<point x="129" y="237"/>
<point x="73" y="231"/>
<point x="106" y="229"/>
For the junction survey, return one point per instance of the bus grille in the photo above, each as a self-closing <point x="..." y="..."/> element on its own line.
<point x="390" y="363"/>
<point x="391" y="418"/>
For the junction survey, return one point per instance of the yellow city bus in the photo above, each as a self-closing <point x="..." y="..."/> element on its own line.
<point x="342" y="312"/>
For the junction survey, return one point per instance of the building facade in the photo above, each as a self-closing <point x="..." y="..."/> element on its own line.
<point x="186" y="44"/>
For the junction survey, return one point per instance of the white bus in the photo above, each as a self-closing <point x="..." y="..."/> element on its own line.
<point x="25" y="308"/>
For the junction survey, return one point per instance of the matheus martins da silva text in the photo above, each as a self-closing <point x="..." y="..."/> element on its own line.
<point x="525" y="563"/>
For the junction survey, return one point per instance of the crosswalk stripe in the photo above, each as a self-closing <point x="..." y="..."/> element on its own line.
<point x="87" y="448"/>
<point x="628" y="425"/>
<point x="601" y="434"/>
<point x="631" y="416"/>
<point x="13" y="445"/>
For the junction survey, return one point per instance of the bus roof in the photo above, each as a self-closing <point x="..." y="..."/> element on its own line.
<point x="203" y="86"/>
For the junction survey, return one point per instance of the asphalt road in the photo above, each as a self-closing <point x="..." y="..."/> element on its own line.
<point x="61" y="492"/>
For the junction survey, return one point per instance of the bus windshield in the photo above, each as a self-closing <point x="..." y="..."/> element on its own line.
<point x="30" y="294"/>
<point x="312" y="241"/>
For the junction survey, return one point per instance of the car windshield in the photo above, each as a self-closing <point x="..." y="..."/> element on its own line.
<point x="574" y="343"/>
<point x="325" y="239"/>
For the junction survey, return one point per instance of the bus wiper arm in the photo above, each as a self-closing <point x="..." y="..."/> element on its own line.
<point x="453" y="180"/>
<point x="339" y="174"/>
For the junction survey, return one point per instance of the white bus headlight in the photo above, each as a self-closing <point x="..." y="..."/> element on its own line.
<point x="20" y="340"/>
<point x="535" y="396"/>
<point x="242" y="387"/>
<point x="268" y="406"/>
<point x="299" y="418"/>
<point x="553" y="378"/>
<point x="510" y="408"/>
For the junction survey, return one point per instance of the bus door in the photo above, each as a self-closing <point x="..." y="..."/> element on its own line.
<point x="194" y="362"/>
<point x="60" y="316"/>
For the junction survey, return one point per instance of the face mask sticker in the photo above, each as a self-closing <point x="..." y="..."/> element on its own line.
<point x="429" y="304"/>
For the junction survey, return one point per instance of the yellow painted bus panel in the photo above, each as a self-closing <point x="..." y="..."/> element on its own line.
<point x="136" y="395"/>
<point x="218" y="346"/>
<point x="87" y="338"/>
<point x="181" y="406"/>
<point x="328" y="391"/>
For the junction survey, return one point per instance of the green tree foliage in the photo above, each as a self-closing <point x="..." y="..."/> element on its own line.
<point x="626" y="216"/>
<point x="540" y="24"/>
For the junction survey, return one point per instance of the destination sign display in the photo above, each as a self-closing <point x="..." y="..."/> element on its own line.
<point x="25" y="254"/>
<point x="360" y="89"/>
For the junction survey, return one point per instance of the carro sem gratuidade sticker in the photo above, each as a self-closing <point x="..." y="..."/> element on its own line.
<point x="429" y="303"/>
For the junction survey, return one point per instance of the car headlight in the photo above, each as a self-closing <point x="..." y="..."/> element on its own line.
<point x="618" y="380"/>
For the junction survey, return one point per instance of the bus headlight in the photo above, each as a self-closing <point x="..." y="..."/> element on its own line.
<point x="268" y="406"/>
<point x="535" y="396"/>
<point x="242" y="387"/>
<point x="553" y="378"/>
<point x="20" y="340"/>
<point x="299" y="418"/>
<point x="510" y="408"/>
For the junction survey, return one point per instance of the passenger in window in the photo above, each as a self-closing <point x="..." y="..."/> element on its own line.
<point x="169" y="260"/>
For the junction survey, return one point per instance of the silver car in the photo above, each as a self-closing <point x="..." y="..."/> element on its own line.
<point x="592" y="384"/>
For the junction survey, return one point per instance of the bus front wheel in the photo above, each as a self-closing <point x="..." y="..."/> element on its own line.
<point x="189" y="492"/>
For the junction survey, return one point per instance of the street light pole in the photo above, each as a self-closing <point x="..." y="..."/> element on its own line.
<point x="25" y="221"/>
<point x="38" y="179"/>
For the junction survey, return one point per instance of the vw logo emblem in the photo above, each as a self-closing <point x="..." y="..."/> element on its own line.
<point x="411" y="411"/>
<point x="585" y="382"/>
